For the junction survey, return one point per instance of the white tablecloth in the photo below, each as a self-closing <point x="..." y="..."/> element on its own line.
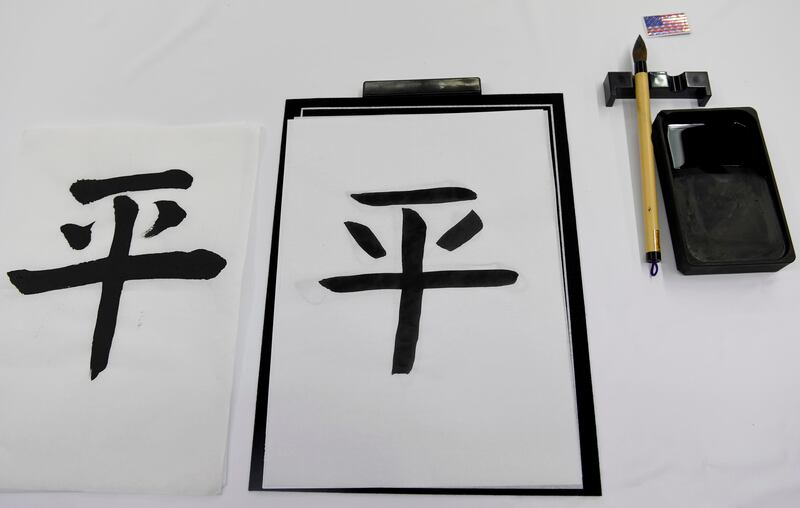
<point x="696" y="385"/>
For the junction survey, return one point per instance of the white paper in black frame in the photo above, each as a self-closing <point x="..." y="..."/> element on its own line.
<point x="550" y="104"/>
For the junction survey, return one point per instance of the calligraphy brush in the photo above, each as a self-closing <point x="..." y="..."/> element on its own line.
<point x="652" y="234"/>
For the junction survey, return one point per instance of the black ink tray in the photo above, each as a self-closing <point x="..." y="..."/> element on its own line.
<point x="720" y="195"/>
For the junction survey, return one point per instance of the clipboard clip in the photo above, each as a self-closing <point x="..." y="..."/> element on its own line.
<point x="443" y="86"/>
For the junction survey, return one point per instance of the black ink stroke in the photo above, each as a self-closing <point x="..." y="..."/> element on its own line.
<point x="365" y="282"/>
<point x="170" y="214"/>
<point x="87" y="191"/>
<point x="461" y="233"/>
<point x="366" y="239"/>
<point x="78" y="237"/>
<point x="415" y="197"/>
<point x="113" y="271"/>
<point x="412" y="282"/>
<point x="430" y="280"/>
<point x="412" y="250"/>
<point x="125" y="211"/>
<point x="199" y="264"/>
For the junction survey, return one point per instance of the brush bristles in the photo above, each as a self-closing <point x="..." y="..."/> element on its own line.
<point x="639" y="50"/>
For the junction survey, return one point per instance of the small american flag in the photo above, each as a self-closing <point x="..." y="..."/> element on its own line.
<point x="667" y="24"/>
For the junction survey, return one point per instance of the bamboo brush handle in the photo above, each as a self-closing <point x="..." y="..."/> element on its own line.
<point x="652" y="234"/>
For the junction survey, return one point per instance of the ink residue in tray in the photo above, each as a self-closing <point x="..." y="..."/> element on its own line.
<point x="722" y="202"/>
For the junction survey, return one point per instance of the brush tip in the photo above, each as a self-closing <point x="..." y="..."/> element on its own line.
<point x="639" y="50"/>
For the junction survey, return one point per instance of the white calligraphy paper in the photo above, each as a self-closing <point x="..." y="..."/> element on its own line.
<point x="490" y="400"/>
<point x="155" y="416"/>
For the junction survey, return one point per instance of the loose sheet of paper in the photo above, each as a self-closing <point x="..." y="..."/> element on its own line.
<point x="155" y="417"/>
<point x="490" y="400"/>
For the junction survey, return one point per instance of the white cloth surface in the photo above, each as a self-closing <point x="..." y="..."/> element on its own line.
<point x="695" y="378"/>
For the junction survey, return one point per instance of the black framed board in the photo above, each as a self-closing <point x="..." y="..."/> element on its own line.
<point x="425" y="328"/>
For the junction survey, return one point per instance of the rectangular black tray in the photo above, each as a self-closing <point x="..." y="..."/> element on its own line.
<point x="721" y="199"/>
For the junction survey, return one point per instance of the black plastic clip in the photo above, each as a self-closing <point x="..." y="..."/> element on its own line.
<point x="689" y="85"/>
<point x="465" y="86"/>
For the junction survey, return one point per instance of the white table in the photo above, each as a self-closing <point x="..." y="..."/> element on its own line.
<point x="695" y="378"/>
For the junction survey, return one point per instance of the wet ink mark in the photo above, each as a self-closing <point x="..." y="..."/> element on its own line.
<point x="170" y="214"/>
<point x="413" y="280"/>
<point x="119" y="266"/>
<point x="78" y="237"/>
<point x="365" y="282"/>
<point x="462" y="232"/>
<point x="199" y="264"/>
<point x="87" y="191"/>
<point x="431" y="280"/>
<point x="415" y="197"/>
<point x="365" y="239"/>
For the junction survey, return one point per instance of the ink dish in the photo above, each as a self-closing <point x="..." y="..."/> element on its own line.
<point x="720" y="194"/>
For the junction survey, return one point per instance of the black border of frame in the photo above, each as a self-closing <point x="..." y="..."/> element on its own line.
<point x="554" y="103"/>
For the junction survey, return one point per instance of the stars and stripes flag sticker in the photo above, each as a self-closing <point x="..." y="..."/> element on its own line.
<point x="667" y="24"/>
